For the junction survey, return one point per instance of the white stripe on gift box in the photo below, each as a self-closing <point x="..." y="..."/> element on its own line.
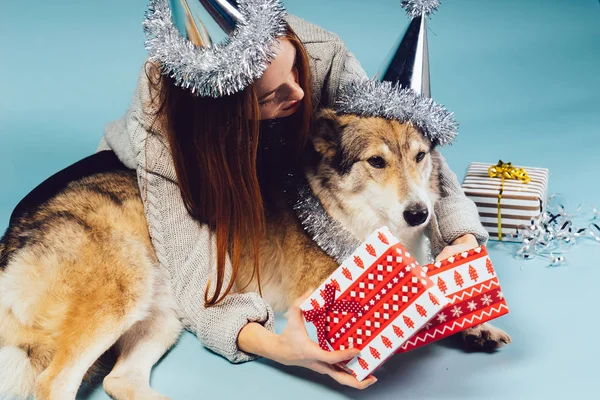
<point x="492" y="202"/>
<point x="493" y="230"/>
<point x="508" y="212"/>
<point x="506" y="222"/>
<point x="365" y="256"/>
<point x="463" y="270"/>
<point x="510" y="186"/>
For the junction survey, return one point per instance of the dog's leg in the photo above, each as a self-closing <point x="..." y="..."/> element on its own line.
<point x="77" y="350"/>
<point x="140" y="348"/>
<point x="484" y="337"/>
<point x="96" y="317"/>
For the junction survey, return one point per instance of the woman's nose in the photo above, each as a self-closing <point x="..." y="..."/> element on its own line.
<point x="296" y="92"/>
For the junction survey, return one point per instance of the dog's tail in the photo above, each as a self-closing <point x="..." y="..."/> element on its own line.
<point x="17" y="375"/>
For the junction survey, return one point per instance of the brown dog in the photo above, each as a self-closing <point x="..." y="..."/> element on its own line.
<point x="78" y="274"/>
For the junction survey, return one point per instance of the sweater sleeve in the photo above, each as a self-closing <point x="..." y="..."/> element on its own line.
<point x="351" y="70"/>
<point x="456" y="214"/>
<point x="345" y="68"/>
<point x="184" y="247"/>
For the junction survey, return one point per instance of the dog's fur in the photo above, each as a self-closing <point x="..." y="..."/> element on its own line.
<point x="78" y="274"/>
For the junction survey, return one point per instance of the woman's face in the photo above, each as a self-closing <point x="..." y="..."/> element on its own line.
<point x="278" y="92"/>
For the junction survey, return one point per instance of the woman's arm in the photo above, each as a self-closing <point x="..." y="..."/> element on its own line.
<point x="294" y="347"/>
<point x="185" y="248"/>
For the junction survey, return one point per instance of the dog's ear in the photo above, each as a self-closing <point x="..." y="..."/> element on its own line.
<point x="326" y="137"/>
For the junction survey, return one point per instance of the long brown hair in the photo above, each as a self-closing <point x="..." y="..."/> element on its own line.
<point x="214" y="144"/>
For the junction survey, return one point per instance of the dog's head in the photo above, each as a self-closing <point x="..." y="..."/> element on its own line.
<point x="370" y="171"/>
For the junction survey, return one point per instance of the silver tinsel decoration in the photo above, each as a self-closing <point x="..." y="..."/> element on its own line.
<point x="553" y="233"/>
<point x="383" y="99"/>
<point x="414" y="8"/>
<point x="223" y="68"/>
<point x="335" y="240"/>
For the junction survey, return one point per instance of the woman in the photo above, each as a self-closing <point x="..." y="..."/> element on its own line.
<point x="193" y="140"/>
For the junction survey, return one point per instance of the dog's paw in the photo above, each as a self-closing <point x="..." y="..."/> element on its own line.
<point x="484" y="337"/>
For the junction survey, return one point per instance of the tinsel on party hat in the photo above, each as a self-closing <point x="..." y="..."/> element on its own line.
<point x="213" y="47"/>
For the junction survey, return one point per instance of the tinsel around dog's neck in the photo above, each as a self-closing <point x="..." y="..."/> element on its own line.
<point x="335" y="240"/>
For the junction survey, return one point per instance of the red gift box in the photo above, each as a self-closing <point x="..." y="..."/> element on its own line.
<point x="469" y="282"/>
<point x="376" y="300"/>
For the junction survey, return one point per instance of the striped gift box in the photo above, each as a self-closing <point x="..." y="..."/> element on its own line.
<point x="520" y="201"/>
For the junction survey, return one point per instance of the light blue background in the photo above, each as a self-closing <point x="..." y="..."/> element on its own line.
<point x="521" y="76"/>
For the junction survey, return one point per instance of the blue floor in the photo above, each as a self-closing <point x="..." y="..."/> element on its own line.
<point x="522" y="77"/>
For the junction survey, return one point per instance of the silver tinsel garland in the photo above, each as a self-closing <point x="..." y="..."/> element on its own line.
<point x="331" y="237"/>
<point x="223" y="68"/>
<point x="384" y="99"/>
<point x="415" y="8"/>
<point x="554" y="232"/>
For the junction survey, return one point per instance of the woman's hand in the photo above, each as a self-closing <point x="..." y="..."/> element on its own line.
<point x="463" y="243"/>
<point x="294" y="347"/>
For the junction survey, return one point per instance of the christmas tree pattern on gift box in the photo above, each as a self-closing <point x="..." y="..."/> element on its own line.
<point x="473" y="300"/>
<point x="395" y="296"/>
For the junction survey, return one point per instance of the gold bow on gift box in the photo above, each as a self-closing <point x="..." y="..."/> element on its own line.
<point x="506" y="171"/>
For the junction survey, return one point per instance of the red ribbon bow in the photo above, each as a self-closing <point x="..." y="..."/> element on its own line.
<point x="318" y="316"/>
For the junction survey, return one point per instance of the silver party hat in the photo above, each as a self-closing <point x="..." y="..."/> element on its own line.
<point x="408" y="62"/>
<point x="213" y="47"/>
<point x="401" y="89"/>
<point x="205" y="22"/>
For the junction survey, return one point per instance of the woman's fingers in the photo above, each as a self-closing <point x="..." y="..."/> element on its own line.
<point x="447" y="252"/>
<point x="333" y="357"/>
<point x="345" y="378"/>
<point x="324" y="361"/>
<point x="441" y="256"/>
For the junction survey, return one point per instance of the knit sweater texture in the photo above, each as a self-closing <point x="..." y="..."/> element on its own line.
<point x="186" y="249"/>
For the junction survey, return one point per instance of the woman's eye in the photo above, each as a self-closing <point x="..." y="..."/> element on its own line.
<point x="420" y="156"/>
<point x="376" y="162"/>
<point x="266" y="102"/>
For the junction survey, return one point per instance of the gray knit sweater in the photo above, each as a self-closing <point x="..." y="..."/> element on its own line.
<point x="186" y="249"/>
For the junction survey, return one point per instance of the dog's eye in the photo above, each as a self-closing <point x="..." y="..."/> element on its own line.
<point x="376" y="162"/>
<point x="420" y="156"/>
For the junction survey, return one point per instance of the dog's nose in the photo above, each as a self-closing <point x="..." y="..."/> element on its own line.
<point x="416" y="214"/>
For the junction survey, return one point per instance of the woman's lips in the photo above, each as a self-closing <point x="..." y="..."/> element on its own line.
<point x="292" y="105"/>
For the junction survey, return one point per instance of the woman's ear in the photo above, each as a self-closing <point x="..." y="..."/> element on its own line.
<point x="326" y="138"/>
